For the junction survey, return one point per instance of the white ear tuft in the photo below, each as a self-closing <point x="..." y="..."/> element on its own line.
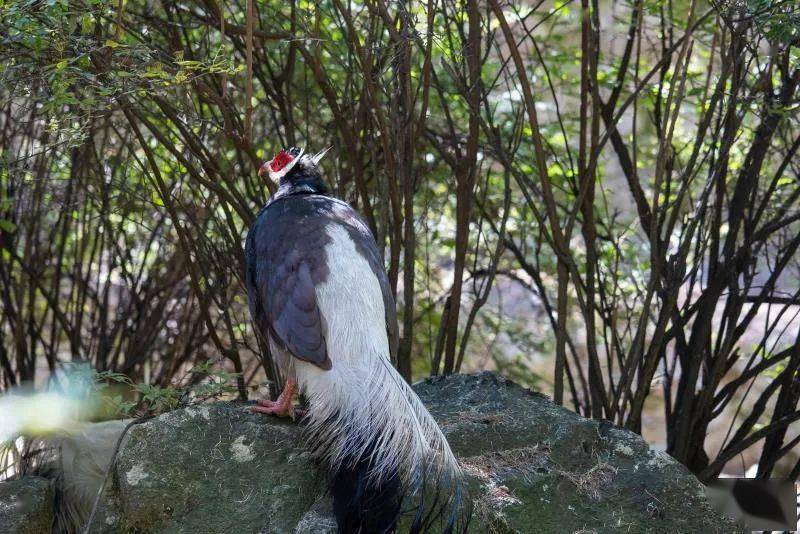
<point x="316" y="159"/>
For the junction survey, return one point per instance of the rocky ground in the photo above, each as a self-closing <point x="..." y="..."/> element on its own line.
<point x="532" y="467"/>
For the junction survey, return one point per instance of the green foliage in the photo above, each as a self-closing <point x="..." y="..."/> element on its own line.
<point x="203" y="382"/>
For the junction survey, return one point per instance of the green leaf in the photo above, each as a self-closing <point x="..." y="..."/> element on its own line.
<point x="7" y="226"/>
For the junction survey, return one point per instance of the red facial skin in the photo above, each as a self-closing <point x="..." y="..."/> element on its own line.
<point x="280" y="161"/>
<point x="276" y="164"/>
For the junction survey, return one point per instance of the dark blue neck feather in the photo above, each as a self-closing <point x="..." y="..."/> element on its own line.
<point x="302" y="180"/>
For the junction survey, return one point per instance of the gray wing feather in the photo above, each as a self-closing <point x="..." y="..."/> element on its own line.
<point x="284" y="263"/>
<point x="285" y="253"/>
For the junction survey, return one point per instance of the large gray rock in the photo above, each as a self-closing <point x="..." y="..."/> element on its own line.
<point x="26" y="506"/>
<point x="542" y="468"/>
<point x="215" y="468"/>
<point x="532" y="466"/>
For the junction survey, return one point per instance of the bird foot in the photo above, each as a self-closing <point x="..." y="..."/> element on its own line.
<point x="283" y="407"/>
<point x="278" y="409"/>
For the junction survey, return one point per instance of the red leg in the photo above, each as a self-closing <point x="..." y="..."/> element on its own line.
<point x="282" y="407"/>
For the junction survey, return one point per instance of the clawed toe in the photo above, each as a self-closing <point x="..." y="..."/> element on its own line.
<point x="282" y="407"/>
<point x="272" y="409"/>
<point x="279" y="410"/>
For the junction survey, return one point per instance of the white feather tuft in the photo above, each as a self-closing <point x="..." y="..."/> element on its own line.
<point x="319" y="155"/>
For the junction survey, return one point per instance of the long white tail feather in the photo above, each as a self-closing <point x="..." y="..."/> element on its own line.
<point x="371" y="407"/>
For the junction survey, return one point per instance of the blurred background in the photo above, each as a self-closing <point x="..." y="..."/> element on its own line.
<point x="597" y="198"/>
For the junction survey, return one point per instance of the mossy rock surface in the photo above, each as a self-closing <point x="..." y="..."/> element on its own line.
<point x="539" y="467"/>
<point x="533" y="467"/>
<point x="215" y="468"/>
<point x="26" y="506"/>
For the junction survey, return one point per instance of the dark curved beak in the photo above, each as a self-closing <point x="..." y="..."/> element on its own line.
<point x="263" y="171"/>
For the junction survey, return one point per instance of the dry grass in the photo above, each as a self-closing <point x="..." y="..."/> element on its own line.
<point x="527" y="461"/>
<point x="493" y="468"/>
<point x="593" y="481"/>
<point x="524" y="461"/>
